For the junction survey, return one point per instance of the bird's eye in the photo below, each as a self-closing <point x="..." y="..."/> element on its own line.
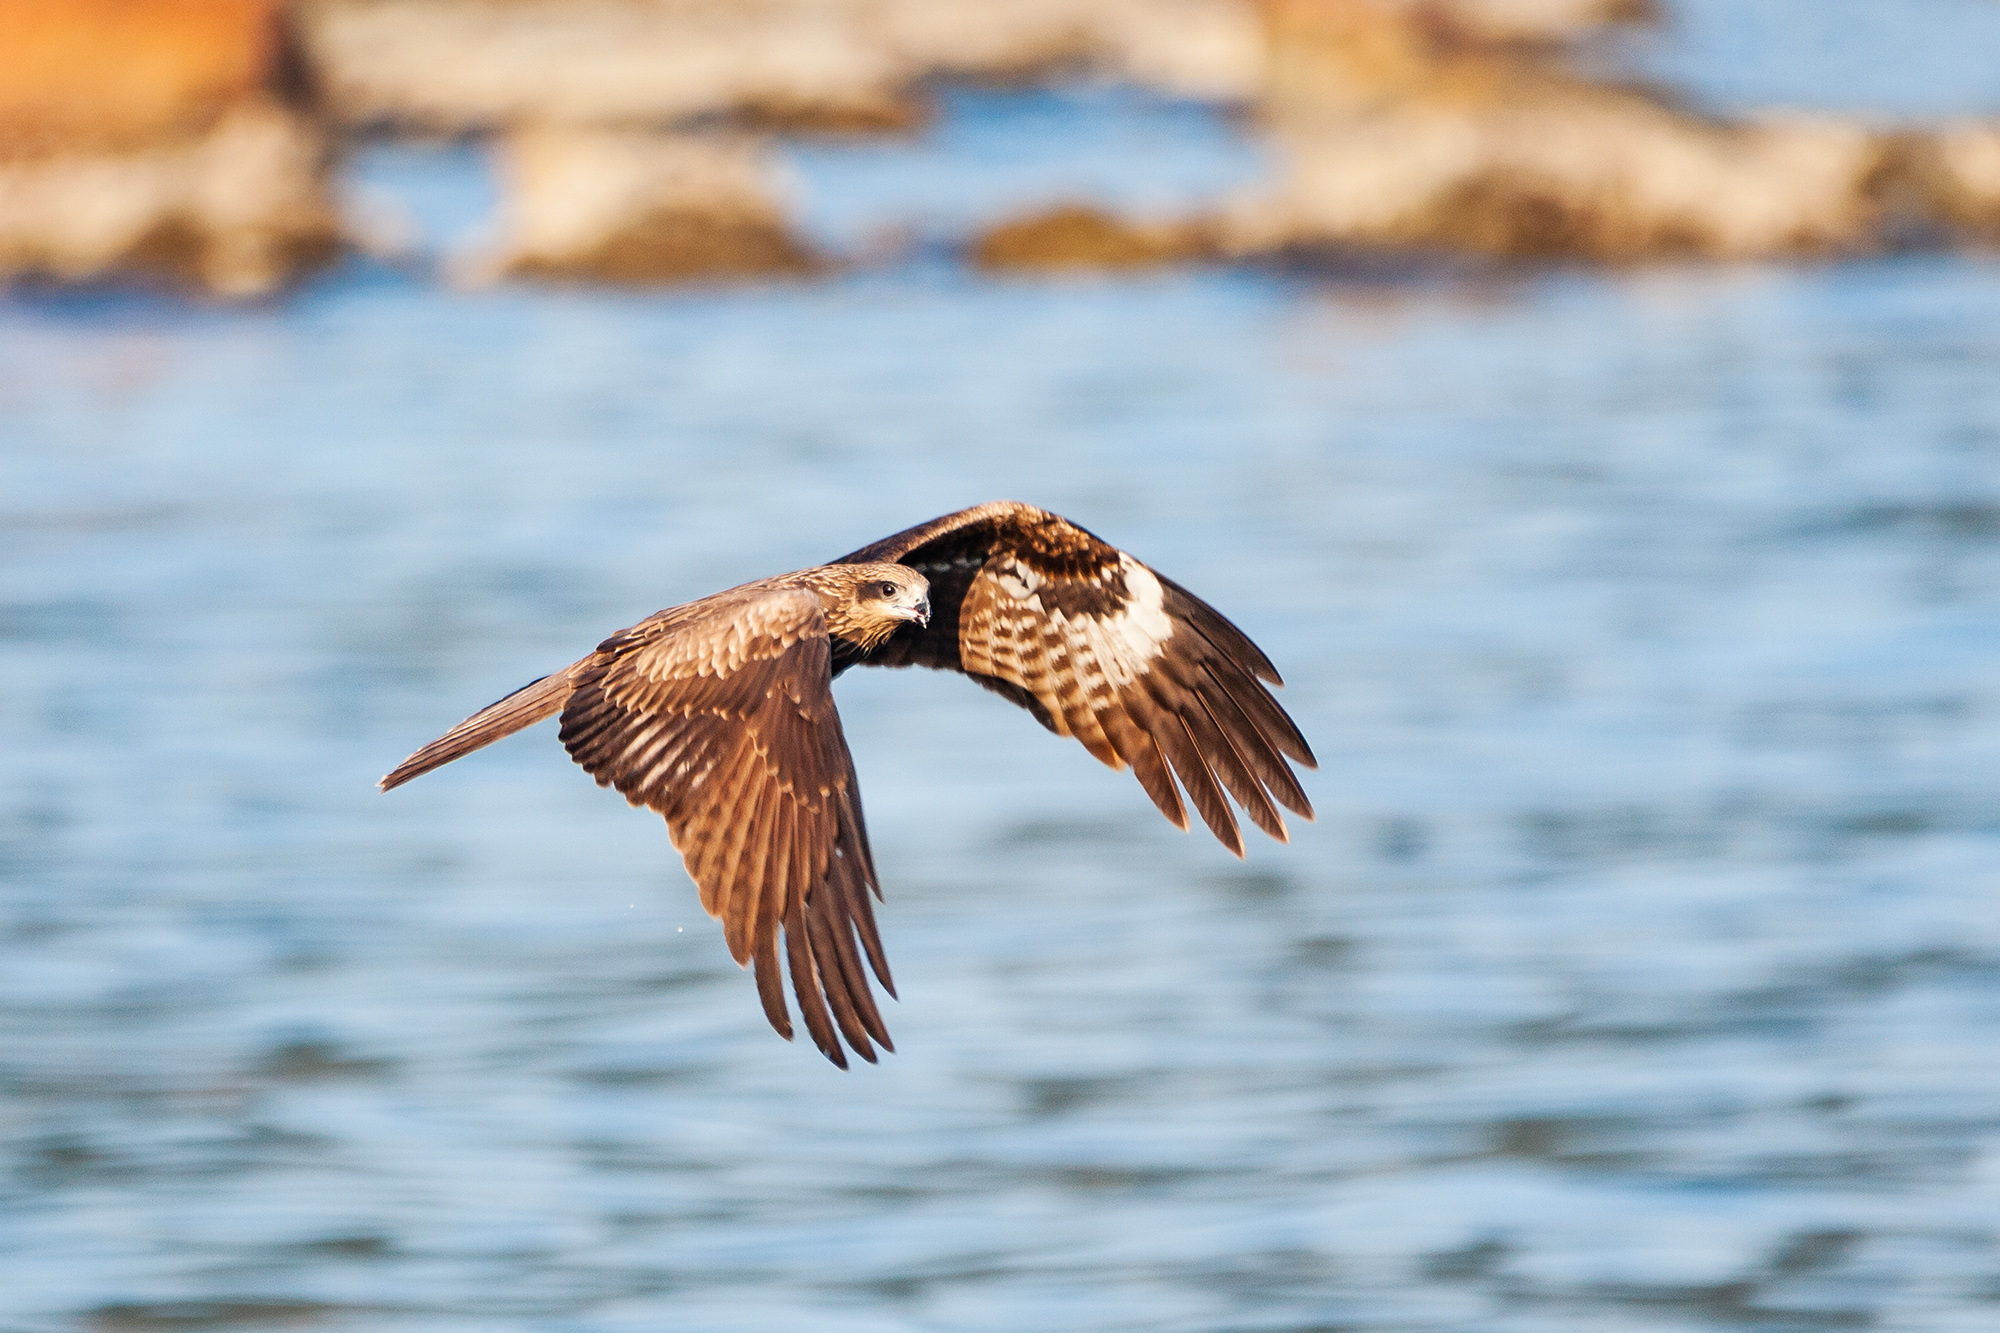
<point x="888" y="589"/>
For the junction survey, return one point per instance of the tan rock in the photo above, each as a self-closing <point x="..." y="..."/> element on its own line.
<point x="638" y="207"/>
<point x="1538" y="21"/>
<point x="1078" y="237"/>
<point x="459" y="65"/>
<point x="1195" y="48"/>
<point x="238" y="211"/>
<point x="1626" y="183"/>
<point x="1953" y="176"/>
<point x="1394" y="137"/>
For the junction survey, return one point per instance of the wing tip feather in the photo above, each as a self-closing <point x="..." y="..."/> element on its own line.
<point x="407" y="771"/>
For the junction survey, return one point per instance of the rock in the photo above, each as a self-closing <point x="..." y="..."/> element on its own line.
<point x="1538" y="21"/>
<point x="1951" y="177"/>
<point x="90" y="76"/>
<point x="639" y="207"/>
<point x="1620" y="183"/>
<point x="1421" y="127"/>
<point x="237" y="211"/>
<point x="1396" y="138"/>
<point x="455" y="66"/>
<point x="1192" y="48"/>
<point x="1076" y="237"/>
<point x="154" y="138"/>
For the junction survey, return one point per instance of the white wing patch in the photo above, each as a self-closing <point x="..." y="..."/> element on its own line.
<point x="1142" y="630"/>
<point x="1020" y="583"/>
<point x="1073" y="664"/>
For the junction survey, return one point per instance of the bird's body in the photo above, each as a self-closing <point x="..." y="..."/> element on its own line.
<point x="719" y="714"/>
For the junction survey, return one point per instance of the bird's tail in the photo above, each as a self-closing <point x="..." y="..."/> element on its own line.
<point x="524" y="707"/>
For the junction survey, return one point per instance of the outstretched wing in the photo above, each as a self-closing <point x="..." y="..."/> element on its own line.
<point x="1099" y="647"/>
<point x="526" y="706"/>
<point x="720" y="716"/>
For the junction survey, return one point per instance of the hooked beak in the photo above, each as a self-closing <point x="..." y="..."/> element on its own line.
<point x="922" y="614"/>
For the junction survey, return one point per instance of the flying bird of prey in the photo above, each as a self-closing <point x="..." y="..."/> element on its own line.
<point x="719" y="714"/>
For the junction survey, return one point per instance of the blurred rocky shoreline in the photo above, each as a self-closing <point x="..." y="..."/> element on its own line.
<point x="197" y="142"/>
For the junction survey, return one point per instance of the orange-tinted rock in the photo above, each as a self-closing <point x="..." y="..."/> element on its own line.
<point x="1077" y="237"/>
<point x="153" y="137"/>
<point x="98" y="75"/>
<point x="638" y="208"/>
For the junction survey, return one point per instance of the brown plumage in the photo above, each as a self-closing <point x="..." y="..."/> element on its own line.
<point x="719" y="714"/>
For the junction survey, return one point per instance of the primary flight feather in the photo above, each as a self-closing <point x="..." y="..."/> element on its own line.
<point x="719" y="714"/>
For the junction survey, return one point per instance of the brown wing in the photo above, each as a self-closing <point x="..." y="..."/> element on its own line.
<point x="1099" y="647"/>
<point x="720" y="716"/>
<point x="524" y="707"/>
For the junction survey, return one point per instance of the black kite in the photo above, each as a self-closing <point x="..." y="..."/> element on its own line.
<point x="719" y="714"/>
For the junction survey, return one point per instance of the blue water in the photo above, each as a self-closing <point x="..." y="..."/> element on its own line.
<point x="1642" y="971"/>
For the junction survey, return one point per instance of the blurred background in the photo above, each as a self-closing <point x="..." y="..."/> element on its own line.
<point x="1593" y="408"/>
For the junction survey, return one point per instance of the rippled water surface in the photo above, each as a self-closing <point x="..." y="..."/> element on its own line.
<point x="1642" y="971"/>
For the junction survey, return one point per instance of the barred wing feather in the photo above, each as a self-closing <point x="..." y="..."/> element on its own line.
<point x="1099" y="647"/>
<point x="721" y="718"/>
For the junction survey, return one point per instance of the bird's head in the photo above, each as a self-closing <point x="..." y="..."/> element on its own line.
<point x="879" y="600"/>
